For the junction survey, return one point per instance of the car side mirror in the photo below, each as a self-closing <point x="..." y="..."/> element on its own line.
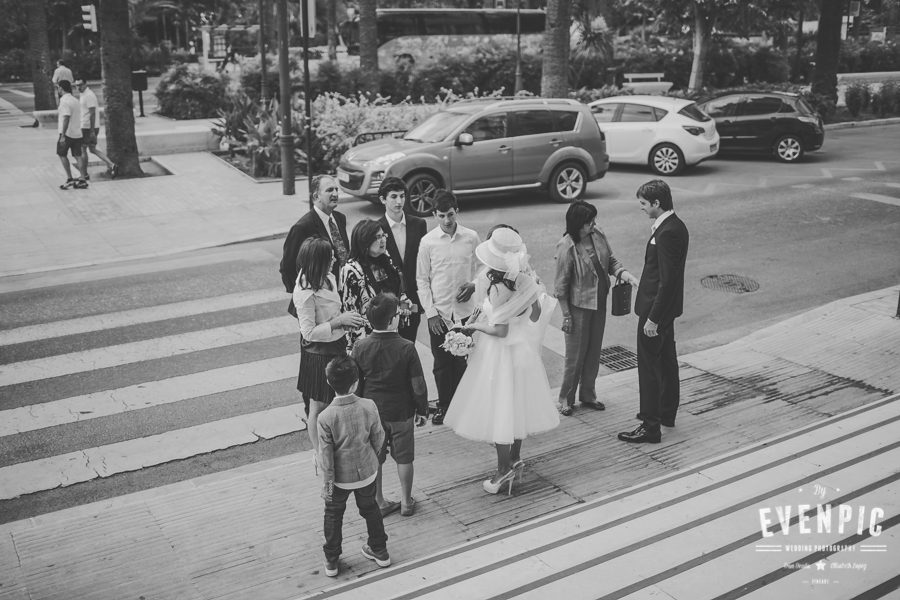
<point x="465" y="139"/>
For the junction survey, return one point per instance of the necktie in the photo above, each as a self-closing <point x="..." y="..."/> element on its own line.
<point x="336" y="239"/>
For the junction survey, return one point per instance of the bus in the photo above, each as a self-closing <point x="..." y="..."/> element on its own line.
<point x="422" y="34"/>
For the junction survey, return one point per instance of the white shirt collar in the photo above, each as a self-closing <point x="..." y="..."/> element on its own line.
<point x="392" y="222"/>
<point x="660" y="219"/>
<point x="322" y="214"/>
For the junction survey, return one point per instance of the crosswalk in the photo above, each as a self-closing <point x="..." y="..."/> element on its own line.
<point x="105" y="387"/>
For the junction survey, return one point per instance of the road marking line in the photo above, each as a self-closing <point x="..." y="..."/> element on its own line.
<point x="877" y="198"/>
<point x="21" y="93"/>
<point x="137" y="316"/>
<point x="146" y="395"/>
<point x="132" y="455"/>
<point x="122" y="354"/>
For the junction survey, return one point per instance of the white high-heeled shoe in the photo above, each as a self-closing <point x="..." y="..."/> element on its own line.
<point x="492" y="487"/>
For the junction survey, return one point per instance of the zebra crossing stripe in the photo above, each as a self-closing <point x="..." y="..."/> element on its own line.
<point x="32" y="333"/>
<point x="132" y="455"/>
<point x="146" y="395"/>
<point x="122" y="354"/>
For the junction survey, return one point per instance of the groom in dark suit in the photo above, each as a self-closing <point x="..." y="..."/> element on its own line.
<point x="404" y="235"/>
<point x="659" y="301"/>
<point x="322" y="221"/>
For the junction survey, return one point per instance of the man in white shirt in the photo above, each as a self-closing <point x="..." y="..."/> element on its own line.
<point x="445" y="270"/>
<point x="62" y="73"/>
<point x="89" y="127"/>
<point x="69" y="128"/>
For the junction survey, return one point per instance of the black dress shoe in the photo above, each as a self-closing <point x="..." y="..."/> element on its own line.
<point x="438" y="418"/>
<point x="641" y="435"/>
<point x="668" y="422"/>
<point x="595" y="405"/>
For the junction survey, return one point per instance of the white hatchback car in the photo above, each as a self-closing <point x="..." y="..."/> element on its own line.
<point x="666" y="133"/>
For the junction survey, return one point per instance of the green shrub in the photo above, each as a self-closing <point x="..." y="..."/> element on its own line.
<point x="85" y="64"/>
<point x="886" y="101"/>
<point x="856" y="97"/>
<point x="767" y="65"/>
<point x="14" y="65"/>
<point x="184" y="93"/>
<point x="251" y="76"/>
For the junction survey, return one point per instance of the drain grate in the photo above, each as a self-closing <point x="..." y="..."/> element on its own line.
<point x="735" y="284"/>
<point x="618" y="358"/>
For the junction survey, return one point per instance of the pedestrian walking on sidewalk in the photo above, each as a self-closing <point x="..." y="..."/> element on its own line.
<point x="90" y="128"/>
<point x="62" y="73"/>
<point x="323" y="221"/>
<point x="504" y="395"/>
<point x="391" y="375"/>
<point x="445" y="269"/>
<point x="70" y="138"/>
<point x="584" y="263"/>
<point x="659" y="301"/>
<point x="350" y="437"/>
<point x="323" y="326"/>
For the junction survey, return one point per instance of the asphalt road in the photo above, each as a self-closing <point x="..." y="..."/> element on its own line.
<point x="809" y="233"/>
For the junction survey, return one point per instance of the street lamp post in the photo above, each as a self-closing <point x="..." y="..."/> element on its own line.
<point x="307" y="97"/>
<point x="287" y="137"/>
<point x="518" y="46"/>
<point x="263" y="92"/>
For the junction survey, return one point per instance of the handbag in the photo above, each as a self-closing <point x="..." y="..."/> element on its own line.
<point x="621" y="297"/>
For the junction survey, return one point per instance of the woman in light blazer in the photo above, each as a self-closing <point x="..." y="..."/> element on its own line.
<point x="584" y="262"/>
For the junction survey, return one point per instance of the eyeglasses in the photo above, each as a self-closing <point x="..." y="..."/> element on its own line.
<point x="381" y="236"/>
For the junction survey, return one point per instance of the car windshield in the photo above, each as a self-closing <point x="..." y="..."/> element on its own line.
<point x="436" y="128"/>
<point x="692" y="112"/>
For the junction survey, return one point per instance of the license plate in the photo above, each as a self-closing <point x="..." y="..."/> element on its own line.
<point x="713" y="147"/>
<point x="343" y="176"/>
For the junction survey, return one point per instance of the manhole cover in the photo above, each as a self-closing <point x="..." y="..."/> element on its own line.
<point x="736" y="284"/>
<point x="618" y="358"/>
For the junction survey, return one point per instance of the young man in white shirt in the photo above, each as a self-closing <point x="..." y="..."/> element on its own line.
<point x="89" y="127"/>
<point x="445" y="270"/>
<point x="69" y="128"/>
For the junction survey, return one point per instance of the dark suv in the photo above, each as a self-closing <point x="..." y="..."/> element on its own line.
<point x="485" y="146"/>
<point x="777" y="122"/>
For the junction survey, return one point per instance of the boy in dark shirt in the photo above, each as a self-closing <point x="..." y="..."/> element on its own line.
<point x="391" y="375"/>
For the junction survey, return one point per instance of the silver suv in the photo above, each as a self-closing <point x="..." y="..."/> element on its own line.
<point x="485" y="146"/>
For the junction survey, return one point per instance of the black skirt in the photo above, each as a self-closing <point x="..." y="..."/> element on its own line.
<point x="311" y="380"/>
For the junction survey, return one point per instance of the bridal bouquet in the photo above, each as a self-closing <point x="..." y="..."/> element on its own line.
<point x="458" y="343"/>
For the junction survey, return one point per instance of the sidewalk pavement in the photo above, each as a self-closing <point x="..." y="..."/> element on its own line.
<point x="205" y="202"/>
<point x="255" y="531"/>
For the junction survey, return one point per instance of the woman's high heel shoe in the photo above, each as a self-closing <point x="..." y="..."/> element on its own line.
<point x="492" y="487"/>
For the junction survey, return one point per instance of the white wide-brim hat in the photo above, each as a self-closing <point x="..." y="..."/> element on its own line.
<point x="503" y="252"/>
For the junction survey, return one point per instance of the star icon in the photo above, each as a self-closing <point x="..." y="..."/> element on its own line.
<point x="820" y="566"/>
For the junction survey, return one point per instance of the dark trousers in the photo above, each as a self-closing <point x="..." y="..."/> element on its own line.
<point x="448" y="370"/>
<point x="368" y="510"/>
<point x="660" y="389"/>
<point x="583" y="345"/>
<point x="409" y="331"/>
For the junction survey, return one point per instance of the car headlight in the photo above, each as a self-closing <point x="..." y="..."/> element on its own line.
<point x="377" y="176"/>
<point x="383" y="161"/>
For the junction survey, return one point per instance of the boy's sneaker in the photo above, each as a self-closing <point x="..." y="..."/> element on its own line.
<point x="114" y="171"/>
<point x="382" y="559"/>
<point x="81" y="184"/>
<point x="331" y="567"/>
<point x="68" y="185"/>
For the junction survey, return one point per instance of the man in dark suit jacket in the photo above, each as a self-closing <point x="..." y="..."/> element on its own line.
<point x="659" y="301"/>
<point x="322" y="221"/>
<point x="404" y="231"/>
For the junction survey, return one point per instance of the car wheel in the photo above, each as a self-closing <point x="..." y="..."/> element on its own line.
<point x="666" y="159"/>
<point x="788" y="148"/>
<point x="420" y="199"/>
<point x="567" y="183"/>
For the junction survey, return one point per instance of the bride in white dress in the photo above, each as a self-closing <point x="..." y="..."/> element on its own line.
<point x="504" y="395"/>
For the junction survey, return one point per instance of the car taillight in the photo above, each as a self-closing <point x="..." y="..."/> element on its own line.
<point x="693" y="130"/>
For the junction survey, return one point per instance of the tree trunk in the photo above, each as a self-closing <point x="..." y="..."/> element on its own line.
<point x="115" y="53"/>
<point x="828" y="48"/>
<point x="796" y="75"/>
<point x="702" y="32"/>
<point x="555" y="67"/>
<point x="331" y="28"/>
<point x="368" y="38"/>
<point x="39" y="55"/>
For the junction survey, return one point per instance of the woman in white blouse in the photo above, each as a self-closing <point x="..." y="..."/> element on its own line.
<point x="322" y="325"/>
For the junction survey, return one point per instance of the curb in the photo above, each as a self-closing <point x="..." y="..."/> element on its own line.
<point x="855" y="124"/>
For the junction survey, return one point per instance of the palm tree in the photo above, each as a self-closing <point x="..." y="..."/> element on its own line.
<point x="828" y="48"/>
<point x="331" y="28"/>
<point x="39" y="55"/>
<point x="115" y="56"/>
<point x="555" y="68"/>
<point x="368" y="38"/>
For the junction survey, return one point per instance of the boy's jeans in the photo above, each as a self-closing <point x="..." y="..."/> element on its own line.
<point x="368" y="510"/>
